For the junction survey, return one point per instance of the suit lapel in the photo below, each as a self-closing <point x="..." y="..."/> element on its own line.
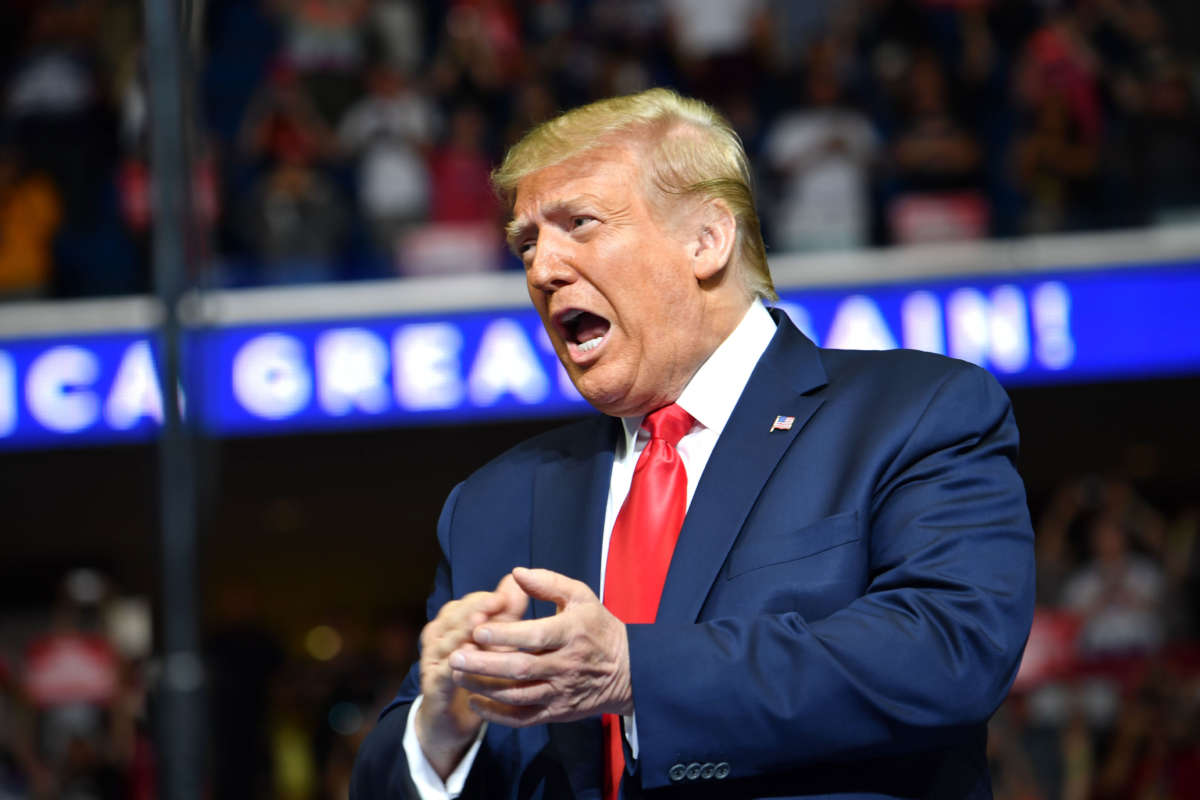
<point x="570" y="493"/>
<point x="741" y="463"/>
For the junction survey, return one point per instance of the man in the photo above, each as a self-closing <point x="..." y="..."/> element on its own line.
<point x="848" y="594"/>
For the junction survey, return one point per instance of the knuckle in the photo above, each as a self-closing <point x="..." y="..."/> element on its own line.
<point x="523" y="670"/>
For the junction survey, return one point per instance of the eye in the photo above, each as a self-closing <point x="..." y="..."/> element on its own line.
<point x="580" y="221"/>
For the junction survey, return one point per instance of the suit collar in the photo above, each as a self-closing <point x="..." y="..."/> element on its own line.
<point x="712" y="393"/>
<point x="782" y="384"/>
<point x="571" y="486"/>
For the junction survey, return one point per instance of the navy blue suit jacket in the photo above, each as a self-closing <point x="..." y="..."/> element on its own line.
<point x="845" y="608"/>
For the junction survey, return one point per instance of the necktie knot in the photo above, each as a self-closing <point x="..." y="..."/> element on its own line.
<point x="669" y="423"/>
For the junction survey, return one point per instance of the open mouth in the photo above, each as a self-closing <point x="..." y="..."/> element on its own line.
<point x="582" y="330"/>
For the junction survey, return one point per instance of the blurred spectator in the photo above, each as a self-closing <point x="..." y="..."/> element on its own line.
<point x="88" y="700"/>
<point x="1055" y="559"/>
<point x="623" y="48"/>
<point x="937" y="164"/>
<point x="57" y="106"/>
<point x="282" y="123"/>
<point x="397" y="29"/>
<point x="461" y="169"/>
<point x="821" y="156"/>
<point x="1012" y="773"/>
<point x="465" y="233"/>
<point x="293" y="216"/>
<point x="1118" y="593"/>
<point x="720" y="44"/>
<point x="325" y="43"/>
<point x="389" y="133"/>
<point x="1056" y="157"/>
<point x="1155" y="749"/>
<point x="1057" y="167"/>
<point x="984" y="117"/>
<point x="18" y="767"/>
<point x="29" y="217"/>
<point x="797" y="26"/>
<point x="1167" y="139"/>
<point x="534" y="105"/>
<point x="295" y="221"/>
<point x="479" y="57"/>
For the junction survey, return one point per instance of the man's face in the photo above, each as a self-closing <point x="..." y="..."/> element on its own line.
<point x="613" y="281"/>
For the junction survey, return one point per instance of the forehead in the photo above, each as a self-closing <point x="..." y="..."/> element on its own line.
<point x="600" y="174"/>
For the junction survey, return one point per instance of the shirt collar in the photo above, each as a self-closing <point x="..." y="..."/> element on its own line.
<point x="713" y="391"/>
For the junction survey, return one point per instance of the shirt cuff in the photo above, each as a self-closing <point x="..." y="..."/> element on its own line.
<point x="631" y="734"/>
<point x="429" y="784"/>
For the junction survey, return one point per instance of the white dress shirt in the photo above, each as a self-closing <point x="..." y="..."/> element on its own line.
<point x="710" y="398"/>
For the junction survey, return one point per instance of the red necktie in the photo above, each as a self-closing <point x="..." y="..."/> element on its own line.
<point x="639" y="550"/>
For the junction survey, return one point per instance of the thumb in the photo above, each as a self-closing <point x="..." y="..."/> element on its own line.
<point x="548" y="585"/>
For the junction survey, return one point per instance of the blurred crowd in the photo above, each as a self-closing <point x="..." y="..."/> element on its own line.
<point x="285" y="712"/>
<point x="349" y="139"/>
<point x="1107" y="703"/>
<point x="343" y="139"/>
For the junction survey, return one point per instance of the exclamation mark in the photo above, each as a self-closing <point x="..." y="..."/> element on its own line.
<point x="1052" y="325"/>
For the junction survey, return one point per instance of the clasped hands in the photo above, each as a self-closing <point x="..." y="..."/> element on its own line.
<point x="481" y="661"/>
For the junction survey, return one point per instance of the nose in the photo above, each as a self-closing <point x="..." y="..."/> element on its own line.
<point x="550" y="267"/>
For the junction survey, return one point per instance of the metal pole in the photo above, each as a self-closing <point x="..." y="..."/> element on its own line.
<point x="180" y="700"/>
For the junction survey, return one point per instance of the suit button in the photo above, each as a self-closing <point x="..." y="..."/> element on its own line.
<point x="677" y="773"/>
<point x="693" y="771"/>
<point x="721" y="771"/>
<point x="708" y="770"/>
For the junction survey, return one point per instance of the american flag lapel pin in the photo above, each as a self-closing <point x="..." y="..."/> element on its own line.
<point x="782" y="423"/>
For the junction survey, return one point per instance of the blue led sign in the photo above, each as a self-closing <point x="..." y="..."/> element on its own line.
<point x="1027" y="328"/>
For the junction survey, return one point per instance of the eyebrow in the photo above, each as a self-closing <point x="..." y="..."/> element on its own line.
<point x="514" y="230"/>
<point x="519" y="226"/>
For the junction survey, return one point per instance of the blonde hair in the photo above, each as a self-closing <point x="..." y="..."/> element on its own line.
<point x="691" y="149"/>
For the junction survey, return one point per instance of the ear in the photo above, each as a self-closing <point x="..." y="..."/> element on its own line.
<point x="715" y="232"/>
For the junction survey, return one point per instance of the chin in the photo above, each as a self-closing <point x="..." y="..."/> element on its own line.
<point x="605" y="398"/>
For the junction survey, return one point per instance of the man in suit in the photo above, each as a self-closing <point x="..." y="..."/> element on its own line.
<point x="844" y="603"/>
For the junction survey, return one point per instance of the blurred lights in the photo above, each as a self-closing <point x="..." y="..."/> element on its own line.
<point x="352" y="365"/>
<point x="859" y="325"/>
<point x="506" y="363"/>
<point x="427" y="366"/>
<point x="1052" y="324"/>
<point x="8" y="394"/>
<point x="477" y="366"/>
<point x="270" y="377"/>
<point x="55" y="388"/>
<point x="135" y="393"/>
<point x="346" y="718"/>
<point x="85" y="586"/>
<point x="323" y="643"/>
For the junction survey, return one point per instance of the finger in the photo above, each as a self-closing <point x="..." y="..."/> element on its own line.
<point x="512" y="693"/>
<point x="441" y="643"/>
<point x="534" y="635"/>
<point x="513" y="599"/>
<point x="509" y="665"/>
<point x="503" y="714"/>
<point x="486" y="603"/>
<point x="456" y="619"/>
<point x="545" y="584"/>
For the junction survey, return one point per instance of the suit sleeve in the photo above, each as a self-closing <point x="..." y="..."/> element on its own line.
<point x="923" y="657"/>
<point x="381" y="771"/>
